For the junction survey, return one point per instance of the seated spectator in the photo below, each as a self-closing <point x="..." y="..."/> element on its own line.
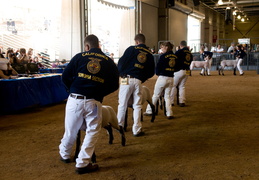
<point x="36" y="61"/>
<point x="55" y="64"/>
<point x="6" y="70"/>
<point x="112" y="56"/>
<point x="11" y="56"/>
<point x="30" y="54"/>
<point x="231" y="48"/>
<point x="23" y="57"/>
<point x="1" y="53"/>
<point x="64" y="63"/>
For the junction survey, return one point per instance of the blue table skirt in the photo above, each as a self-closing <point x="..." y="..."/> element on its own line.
<point x="53" y="70"/>
<point x="17" y="94"/>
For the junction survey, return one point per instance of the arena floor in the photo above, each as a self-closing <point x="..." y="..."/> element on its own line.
<point x="215" y="137"/>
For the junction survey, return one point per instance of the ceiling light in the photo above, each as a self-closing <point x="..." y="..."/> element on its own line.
<point x="228" y="7"/>
<point x="238" y="17"/>
<point x="220" y="2"/>
<point x="242" y="19"/>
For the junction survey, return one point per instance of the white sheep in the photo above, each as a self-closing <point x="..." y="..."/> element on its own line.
<point x="146" y="97"/>
<point x="228" y="63"/>
<point x="200" y="64"/>
<point x="109" y="121"/>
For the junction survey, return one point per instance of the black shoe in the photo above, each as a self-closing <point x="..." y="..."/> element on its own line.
<point x="65" y="160"/>
<point x="182" y="104"/>
<point x="89" y="168"/>
<point x="242" y="74"/>
<point x="170" y="117"/>
<point x="139" y="134"/>
<point x="201" y="74"/>
<point x="172" y="104"/>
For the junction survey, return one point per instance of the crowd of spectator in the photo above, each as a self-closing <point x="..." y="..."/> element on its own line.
<point x="14" y="57"/>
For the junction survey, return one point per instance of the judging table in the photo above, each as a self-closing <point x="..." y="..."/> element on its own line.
<point x="17" y="94"/>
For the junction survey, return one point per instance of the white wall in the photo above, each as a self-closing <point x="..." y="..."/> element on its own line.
<point x="70" y="38"/>
<point x="177" y="26"/>
<point x="150" y="24"/>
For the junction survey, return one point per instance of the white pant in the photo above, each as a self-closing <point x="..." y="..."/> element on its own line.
<point x="81" y="112"/>
<point x="208" y="68"/>
<point x="180" y="79"/>
<point x="165" y="84"/>
<point x="239" y="62"/>
<point x="134" y="89"/>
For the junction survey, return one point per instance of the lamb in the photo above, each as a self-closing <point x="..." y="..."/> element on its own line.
<point x="228" y="63"/>
<point x="200" y="64"/>
<point x="109" y="121"/>
<point x="146" y="96"/>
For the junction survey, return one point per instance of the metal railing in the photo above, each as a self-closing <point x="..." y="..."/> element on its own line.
<point x="250" y="62"/>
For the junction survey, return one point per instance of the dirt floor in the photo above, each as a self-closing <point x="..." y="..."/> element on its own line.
<point x="215" y="137"/>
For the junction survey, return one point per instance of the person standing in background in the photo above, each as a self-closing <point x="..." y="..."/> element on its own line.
<point x="240" y="54"/>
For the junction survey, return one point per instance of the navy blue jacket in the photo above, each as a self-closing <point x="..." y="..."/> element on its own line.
<point x="240" y="54"/>
<point x="91" y="74"/>
<point x="185" y="58"/>
<point x="138" y="62"/>
<point x="207" y="53"/>
<point x="166" y="64"/>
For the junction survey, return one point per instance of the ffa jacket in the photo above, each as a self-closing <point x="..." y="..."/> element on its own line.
<point x="138" y="62"/>
<point x="185" y="58"/>
<point x="91" y="74"/>
<point x="166" y="64"/>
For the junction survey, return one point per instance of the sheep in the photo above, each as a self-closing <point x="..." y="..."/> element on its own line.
<point x="146" y="96"/>
<point x="228" y="63"/>
<point x="109" y="121"/>
<point x="200" y="64"/>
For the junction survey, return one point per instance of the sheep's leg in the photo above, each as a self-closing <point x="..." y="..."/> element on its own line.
<point x="123" y="138"/>
<point x="161" y="102"/>
<point x="141" y="116"/>
<point x="177" y="95"/>
<point x="154" y="110"/>
<point x="78" y="142"/>
<point x="93" y="158"/>
<point x="109" y="130"/>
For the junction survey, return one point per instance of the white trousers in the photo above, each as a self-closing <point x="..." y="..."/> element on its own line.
<point x="81" y="113"/>
<point x="180" y="79"/>
<point x="239" y="62"/>
<point x="163" y="84"/>
<point x="208" y="68"/>
<point x="134" y="89"/>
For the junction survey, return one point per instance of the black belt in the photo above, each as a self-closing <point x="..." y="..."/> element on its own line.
<point x="78" y="96"/>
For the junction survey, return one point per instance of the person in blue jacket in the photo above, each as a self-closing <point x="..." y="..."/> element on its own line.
<point x="240" y="54"/>
<point x="135" y="66"/>
<point x="165" y="80"/>
<point x="208" y="55"/>
<point x="89" y="77"/>
<point x="182" y="71"/>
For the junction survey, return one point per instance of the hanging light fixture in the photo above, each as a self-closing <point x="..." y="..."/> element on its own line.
<point x="220" y="2"/>
<point x="238" y="17"/>
<point x="242" y="19"/>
